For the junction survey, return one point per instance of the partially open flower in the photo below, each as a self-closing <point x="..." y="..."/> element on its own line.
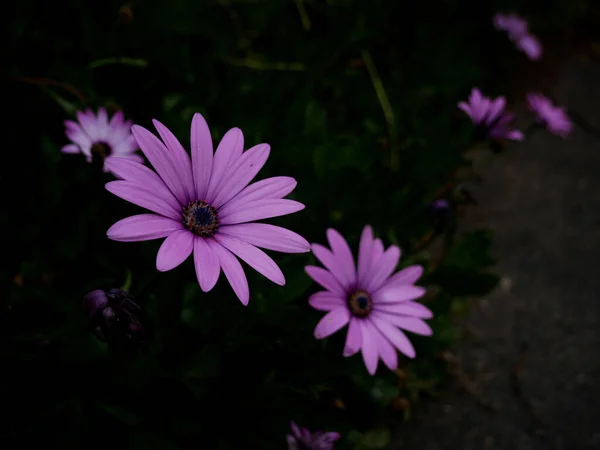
<point x="490" y="116"/>
<point x="117" y="319"/>
<point x="302" y="439"/>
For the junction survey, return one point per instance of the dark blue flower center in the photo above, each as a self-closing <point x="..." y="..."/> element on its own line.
<point x="360" y="303"/>
<point x="100" y="150"/>
<point x="201" y="219"/>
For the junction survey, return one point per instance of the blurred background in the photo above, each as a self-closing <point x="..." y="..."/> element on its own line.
<point x="358" y="102"/>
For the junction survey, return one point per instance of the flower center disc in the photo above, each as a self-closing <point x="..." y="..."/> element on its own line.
<point x="360" y="304"/>
<point x="201" y="219"/>
<point x="100" y="150"/>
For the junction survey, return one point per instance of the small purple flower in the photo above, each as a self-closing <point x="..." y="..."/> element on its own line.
<point x="100" y="139"/>
<point x="554" y="118"/>
<point x="517" y="30"/>
<point x="117" y="319"/>
<point x="302" y="439"/>
<point x="374" y="304"/>
<point x="206" y="205"/>
<point x="490" y="117"/>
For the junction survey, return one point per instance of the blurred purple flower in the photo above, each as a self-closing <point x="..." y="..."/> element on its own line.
<point x="117" y="319"/>
<point x="517" y="30"/>
<point x="375" y="303"/>
<point x="100" y="139"/>
<point x="204" y="206"/>
<point x="554" y="118"/>
<point x="490" y="116"/>
<point x="302" y="439"/>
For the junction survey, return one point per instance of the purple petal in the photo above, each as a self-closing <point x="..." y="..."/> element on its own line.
<point x="369" y="346"/>
<point x="353" y="338"/>
<point x="143" y="177"/>
<point x="411" y="324"/>
<point x="241" y="173"/>
<point x="365" y="250"/>
<point x="202" y="154"/>
<point x="206" y="263"/>
<point x="162" y="161"/>
<point x="343" y="253"/>
<point x="152" y="201"/>
<point x="233" y="272"/>
<point x="325" y="279"/>
<point x="88" y="123"/>
<point x="395" y="294"/>
<point x="327" y="258"/>
<point x="228" y="151"/>
<point x="386" y="350"/>
<point x="385" y="266"/>
<point x="71" y="149"/>
<point x="332" y="321"/>
<point x="76" y="134"/>
<point x="325" y="301"/>
<point x="465" y="107"/>
<point x="117" y="120"/>
<point x="295" y="429"/>
<point x="254" y="257"/>
<point x="269" y="189"/>
<point x="258" y="210"/>
<point x="496" y="108"/>
<point x="174" y="250"/>
<point x="179" y="158"/>
<point x="143" y="227"/>
<point x="412" y="309"/>
<point x="395" y="336"/>
<point x="268" y="236"/>
<point x="406" y="276"/>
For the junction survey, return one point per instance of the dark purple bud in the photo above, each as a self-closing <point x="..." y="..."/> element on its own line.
<point x="117" y="319"/>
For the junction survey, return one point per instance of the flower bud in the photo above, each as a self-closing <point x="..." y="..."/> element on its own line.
<point x="117" y="319"/>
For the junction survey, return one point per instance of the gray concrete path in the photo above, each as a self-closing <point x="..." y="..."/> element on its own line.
<point x="542" y="201"/>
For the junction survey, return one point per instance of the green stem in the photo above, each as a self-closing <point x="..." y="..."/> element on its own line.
<point x="303" y="14"/>
<point x="388" y="112"/>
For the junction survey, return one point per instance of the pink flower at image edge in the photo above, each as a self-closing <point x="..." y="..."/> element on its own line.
<point x="374" y="304"/>
<point x="206" y="205"/>
<point x="96" y="137"/>
<point x="554" y="118"/>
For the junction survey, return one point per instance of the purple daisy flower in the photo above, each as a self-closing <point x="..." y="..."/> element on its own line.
<point x="554" y="118"/>
<point x="205" y="205"/>
<point x="302" y="439"/>
<point x="517" y="30"/>
<point x="100" y="139"/>
<point x="490" y="116"/>
<point x="375" y="303"/>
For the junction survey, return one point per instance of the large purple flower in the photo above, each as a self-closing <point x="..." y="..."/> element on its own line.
<point x="375" y="303"/>
<point x="205" y="205"/>
<point x="100" y="139"/>
<point x="554" y="118"/>
<point x="490" y="116"/>
<point x="303" y="439"/>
